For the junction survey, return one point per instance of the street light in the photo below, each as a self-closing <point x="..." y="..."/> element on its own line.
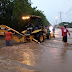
<point x="56" y="19"/>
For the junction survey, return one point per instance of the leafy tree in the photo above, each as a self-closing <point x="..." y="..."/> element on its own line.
<point x="11" y="13"/>
<point x="69" y="24"/>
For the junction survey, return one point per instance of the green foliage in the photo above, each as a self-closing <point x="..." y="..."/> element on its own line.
<point x="11" y="13"/>
<point x="43" y="17"/>
<point x="69" y="24"/>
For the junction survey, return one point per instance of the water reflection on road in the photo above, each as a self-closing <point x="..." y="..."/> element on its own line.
<point x="49" y="56"/>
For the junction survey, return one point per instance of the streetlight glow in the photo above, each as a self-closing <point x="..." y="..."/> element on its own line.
<point x="56" y="17"/>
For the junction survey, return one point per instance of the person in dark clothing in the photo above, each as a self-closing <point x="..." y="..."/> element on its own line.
<point x="43" y="27"/>
<point x="30" y="26"/>
<point x="48" y="30"/>
<point x="54" y="31"/>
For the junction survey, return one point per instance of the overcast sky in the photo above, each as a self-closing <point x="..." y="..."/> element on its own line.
<point x="52" y="9"/>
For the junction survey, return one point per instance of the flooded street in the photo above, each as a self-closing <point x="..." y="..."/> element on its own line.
<point x="49" y="56"/>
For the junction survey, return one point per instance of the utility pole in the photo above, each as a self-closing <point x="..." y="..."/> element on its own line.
<point x="56" y="21"/>
<point x="60" y="16"/>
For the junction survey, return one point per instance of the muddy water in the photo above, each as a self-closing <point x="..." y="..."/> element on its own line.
<point x="49" y="56"/>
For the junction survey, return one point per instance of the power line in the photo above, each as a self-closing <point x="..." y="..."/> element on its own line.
<point x="70" y="8"/>
<point x="67" y="4"/>
<point x="64" y="4"/>
<point x="69" y="15"/>
<point x="68" y="11"/>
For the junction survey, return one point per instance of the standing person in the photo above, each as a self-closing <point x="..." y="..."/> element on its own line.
<point x="43" y="27"/>
<point x="8" y="37"/>
<point x="64" y="34"/>
<point x="48" y="30"/>
<point x="54" y="31"/>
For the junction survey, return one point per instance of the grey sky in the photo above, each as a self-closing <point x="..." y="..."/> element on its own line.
<point x="52" y="9"/>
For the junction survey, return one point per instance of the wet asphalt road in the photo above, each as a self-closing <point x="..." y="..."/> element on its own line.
<point x="49" y="56"/>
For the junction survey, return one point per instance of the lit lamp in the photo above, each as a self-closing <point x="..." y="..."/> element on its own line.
<point x="27" y="17"/>
<point x="56" y="19"/>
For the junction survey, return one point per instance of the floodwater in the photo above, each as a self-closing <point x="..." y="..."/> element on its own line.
<point x="49" y="56"/>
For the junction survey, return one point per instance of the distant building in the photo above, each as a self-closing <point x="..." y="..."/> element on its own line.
<point x="66" y="24"/>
